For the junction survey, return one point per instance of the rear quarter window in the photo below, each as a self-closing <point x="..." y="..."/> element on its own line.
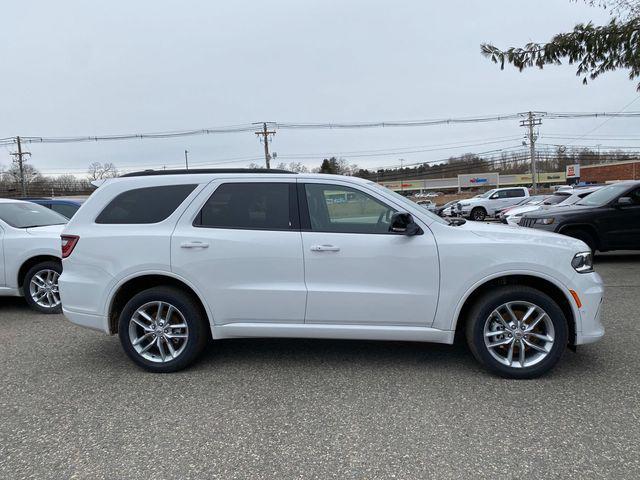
<point x="144" y="205"/>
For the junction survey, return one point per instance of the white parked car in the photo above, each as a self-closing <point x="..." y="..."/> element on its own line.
<point x="512" y="215"/>
<point x="168" y="261"/>
<point x="428" y="204"/>
<point x="30" y="253"/>
<point x="487" y="204"/>
<point x="562" y="198"/>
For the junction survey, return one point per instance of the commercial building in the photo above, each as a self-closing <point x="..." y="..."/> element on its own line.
<point x="475" y="180"/>
<point x="610" y="172"/>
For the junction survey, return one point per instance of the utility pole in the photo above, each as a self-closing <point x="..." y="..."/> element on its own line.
<point x="186" y="159"/>
<point x="20" y="159"/>
<point x="264" y="133"/>
<point x="531" y="121"/>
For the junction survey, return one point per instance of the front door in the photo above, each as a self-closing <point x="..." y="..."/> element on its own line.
<point x="356" y="271"/>
<point x="240" y="243"/>
<point x="621" y="223"/>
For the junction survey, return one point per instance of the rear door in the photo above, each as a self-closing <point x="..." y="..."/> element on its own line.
<point x="239" y="243"/>
<point x="356" y="271"/>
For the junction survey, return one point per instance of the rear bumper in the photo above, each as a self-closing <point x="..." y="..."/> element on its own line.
<point x="95" y="322"/>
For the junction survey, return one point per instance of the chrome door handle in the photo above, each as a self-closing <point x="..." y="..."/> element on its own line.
<point x="194" y="245"/>
<point x="325" y="248"/>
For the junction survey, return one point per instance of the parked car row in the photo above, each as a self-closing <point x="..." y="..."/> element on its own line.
<point x="561" y="198"/>
<point x="605" y="219"/>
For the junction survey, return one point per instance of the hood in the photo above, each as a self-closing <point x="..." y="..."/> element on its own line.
<point x="562" y="210"/>
<point x="500" y="233"/>
<point x="46" y="231"/>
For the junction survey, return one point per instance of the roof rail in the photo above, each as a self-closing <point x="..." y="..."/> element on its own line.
<point x="144" y="173"/>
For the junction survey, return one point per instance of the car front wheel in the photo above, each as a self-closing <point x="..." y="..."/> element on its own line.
<point x="478" y="214"/>
<point x="40" y="287"/>
<point x="517" y="332"/>
<point x="162" y="329"/>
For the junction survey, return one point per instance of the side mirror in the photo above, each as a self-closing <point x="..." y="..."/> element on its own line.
<point x="493" y="197"/>
<point x="624" y="201"/>
<point x="403" y="224"/>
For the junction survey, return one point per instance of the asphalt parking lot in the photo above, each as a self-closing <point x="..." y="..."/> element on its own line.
<point x="73" y="406"/>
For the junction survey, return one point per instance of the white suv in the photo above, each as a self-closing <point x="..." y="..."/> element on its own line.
<point x="491" y="202"/>
<point x="168" y="261"/>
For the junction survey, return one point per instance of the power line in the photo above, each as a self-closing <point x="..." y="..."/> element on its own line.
<point x="316" y="125"/>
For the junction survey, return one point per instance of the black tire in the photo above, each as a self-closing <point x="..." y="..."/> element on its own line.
<point x="478" y="214"/>
<point x="489" y="302"/>
<point x="29" y="295"/>
<point x="197" y="324"/>
<point x="583" y="235"/>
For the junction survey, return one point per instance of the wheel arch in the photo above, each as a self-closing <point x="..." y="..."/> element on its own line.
<point x="131" y="286"/>
<point x="556" y="292"/>
<point x="587" y="227"/>
<point x="30" y="262"/>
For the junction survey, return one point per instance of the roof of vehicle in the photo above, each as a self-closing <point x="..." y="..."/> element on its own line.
<point x="11" y="200"/>
<point x="144" y="173"/>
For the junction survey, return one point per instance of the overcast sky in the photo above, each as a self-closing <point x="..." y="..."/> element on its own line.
<point x="107" y="67"/>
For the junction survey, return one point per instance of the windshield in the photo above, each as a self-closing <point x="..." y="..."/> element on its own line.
<point x="27" y="214"/>
<point x="604" y="195"/>
<point x="405" y="201"/>
<point x="487" y="194"/>
<point x="556" y="198"/>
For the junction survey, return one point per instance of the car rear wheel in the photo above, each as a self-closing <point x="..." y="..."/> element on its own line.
<point x="162" y="329"/>
<point x="478" y="214"/>
<point x="40" y="287"/>
<point x="517" y="332"/>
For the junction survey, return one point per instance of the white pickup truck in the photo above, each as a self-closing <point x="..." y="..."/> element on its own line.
<point x="487" y="204"/>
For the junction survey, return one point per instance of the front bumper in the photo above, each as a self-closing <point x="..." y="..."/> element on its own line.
<point x="590" y="289"/>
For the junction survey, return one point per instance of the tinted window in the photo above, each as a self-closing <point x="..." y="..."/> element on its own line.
<point x="66" y="210"/>
<point x="556" y="198"/>
<point x="27" y="214"/>
<point x="515" y="192"/>
<point x="333" y="208"/>
<point x="635" y="196"/>
<point x="500" y="194"/>
<point x="253" y="206"/>
<point x="145" y="205"/>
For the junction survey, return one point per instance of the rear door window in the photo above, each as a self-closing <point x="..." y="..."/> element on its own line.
<point x="515" y="192"/>
<point x="251" y="206"/>
<point x="144" y="205"/>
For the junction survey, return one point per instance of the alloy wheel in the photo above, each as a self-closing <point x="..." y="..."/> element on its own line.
<point x="43" y="288"/>
<point x="158" y="332"/>
<point x="519" y="334"/>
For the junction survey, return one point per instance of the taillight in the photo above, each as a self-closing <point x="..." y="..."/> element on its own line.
<point x="68" y="244"/>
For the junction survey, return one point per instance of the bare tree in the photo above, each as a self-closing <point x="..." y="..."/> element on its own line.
<point x="99" y="171"/>
<point x="297" y="167"/>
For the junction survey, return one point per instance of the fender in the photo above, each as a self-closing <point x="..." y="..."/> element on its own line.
<point x="108" y="303"/>
<point x="507" y="273"/>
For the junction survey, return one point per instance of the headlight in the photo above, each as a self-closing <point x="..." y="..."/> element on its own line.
<point x="582" y="262"/>
<point x="545" y="221"/>
<point x="464" y="204"/>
